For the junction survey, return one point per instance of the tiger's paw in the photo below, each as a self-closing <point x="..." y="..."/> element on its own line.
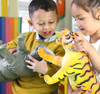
<point x="48" y="79"/>
<point x="41" y="52"/>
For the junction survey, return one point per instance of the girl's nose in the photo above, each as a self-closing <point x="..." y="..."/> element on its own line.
<point x="77" y="24"/>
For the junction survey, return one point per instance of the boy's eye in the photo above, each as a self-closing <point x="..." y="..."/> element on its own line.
<point x="51" y="22"/>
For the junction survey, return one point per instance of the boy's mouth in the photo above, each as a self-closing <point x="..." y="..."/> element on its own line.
<point x="47" y="33"/>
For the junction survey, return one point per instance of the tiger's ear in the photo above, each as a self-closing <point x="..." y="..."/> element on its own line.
<point x="98" y="14"/>
<point x="31" y="24"/>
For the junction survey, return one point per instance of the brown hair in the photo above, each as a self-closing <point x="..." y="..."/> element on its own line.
<point x="88" y="5"/>
<point x="47" y="5"/>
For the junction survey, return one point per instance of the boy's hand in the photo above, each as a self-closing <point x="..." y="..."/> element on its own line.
<point x="81" y="44"/>
<point x="13" y="50"/>
<point x="37" y="66"/>
<point x="78" y="91"/>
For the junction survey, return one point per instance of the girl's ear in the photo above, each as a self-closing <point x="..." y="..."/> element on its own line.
<point x="98" y="14"/>
<point x="31" y="24"/>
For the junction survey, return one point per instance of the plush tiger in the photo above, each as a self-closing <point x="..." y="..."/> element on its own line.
<point x="74" y="65"/>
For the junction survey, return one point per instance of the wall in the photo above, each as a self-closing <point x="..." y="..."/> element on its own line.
<point x="66" y="22"/>
<point x="0" y="8"/>
<point x="12" y="8"/>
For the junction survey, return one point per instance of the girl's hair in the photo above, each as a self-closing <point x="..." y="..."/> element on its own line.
<point x="47" y="5"/>
<point x="88" y="5"/>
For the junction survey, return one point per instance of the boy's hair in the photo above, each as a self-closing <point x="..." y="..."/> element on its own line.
<point x="88" y="5"/>
<point x="47" y="5"/>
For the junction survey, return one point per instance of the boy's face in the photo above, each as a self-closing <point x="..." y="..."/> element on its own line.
<point x="44" y="22"/>
<point x="84" y="20"/>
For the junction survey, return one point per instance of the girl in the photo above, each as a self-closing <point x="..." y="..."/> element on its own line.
<point x="87" y="16"/>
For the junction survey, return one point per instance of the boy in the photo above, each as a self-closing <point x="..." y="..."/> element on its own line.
<point x="43" y="18"/>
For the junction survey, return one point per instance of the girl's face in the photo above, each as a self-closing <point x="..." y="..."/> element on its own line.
<point x="44" y="22"/>
<point x="85" y="20"/>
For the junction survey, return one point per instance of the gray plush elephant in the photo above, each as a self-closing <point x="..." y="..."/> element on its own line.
<point x="13" y="66"/>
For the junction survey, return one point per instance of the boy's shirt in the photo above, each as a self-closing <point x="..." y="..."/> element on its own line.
<point x="36" y="84"/>
<point x="53" y="37"/>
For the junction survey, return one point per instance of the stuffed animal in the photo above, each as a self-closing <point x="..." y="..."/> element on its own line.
<point x="74" y="65"/>
<point x="13" y="66"/>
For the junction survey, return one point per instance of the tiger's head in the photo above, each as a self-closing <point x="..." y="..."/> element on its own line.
<point x="67" y="38"/>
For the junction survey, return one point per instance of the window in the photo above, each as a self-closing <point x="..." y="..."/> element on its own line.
<point x="23" y="12"/>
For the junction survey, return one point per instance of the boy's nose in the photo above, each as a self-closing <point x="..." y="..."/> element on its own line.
<point x="46" y="26"/>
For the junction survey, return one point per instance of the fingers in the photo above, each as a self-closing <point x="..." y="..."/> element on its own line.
<point x="77" y="47"/>
<point x="78" y="39"/>
<point x="32" y="58"/>
<point x="79" y="33"/>
<point x="31" y="65"/>
<point x="80" y="44"/>
<point x="13" y="50"/>
<point x="78" y="91"/>
<point x="88" y="91"/>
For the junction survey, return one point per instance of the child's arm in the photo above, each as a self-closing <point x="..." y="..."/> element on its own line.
<point x="94" y="58"/>
<point x="82" y="44"/>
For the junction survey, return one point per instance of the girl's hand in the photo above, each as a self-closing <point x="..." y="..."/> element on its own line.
<point x="13" y="50"/>
<point x="37" y="66"/>
<point x="78" y="91"/>
<point x="81" y="44"/>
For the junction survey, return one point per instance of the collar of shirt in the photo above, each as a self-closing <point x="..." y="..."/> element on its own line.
<point x="53" y="37"/>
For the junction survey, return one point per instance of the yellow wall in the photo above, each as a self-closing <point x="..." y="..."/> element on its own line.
<point x="4" y="7"/>
<point x="0" y="9"/>
<point x="9" y="8"/>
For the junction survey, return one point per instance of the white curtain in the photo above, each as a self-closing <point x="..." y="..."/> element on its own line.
<point x="0" y="9"/>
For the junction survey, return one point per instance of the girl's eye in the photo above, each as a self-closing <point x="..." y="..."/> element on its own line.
<point x="41" y="24"/>
<point x="81" y="18"/>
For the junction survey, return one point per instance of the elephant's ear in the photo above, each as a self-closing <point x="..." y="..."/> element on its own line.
<point x="20" y="42"/>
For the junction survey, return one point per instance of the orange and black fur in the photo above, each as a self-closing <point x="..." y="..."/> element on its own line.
<point x="74" y="65"/>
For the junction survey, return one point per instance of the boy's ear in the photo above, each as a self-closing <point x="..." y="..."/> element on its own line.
<point x="98" y="14"/>
<point x="31" y="24"/>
